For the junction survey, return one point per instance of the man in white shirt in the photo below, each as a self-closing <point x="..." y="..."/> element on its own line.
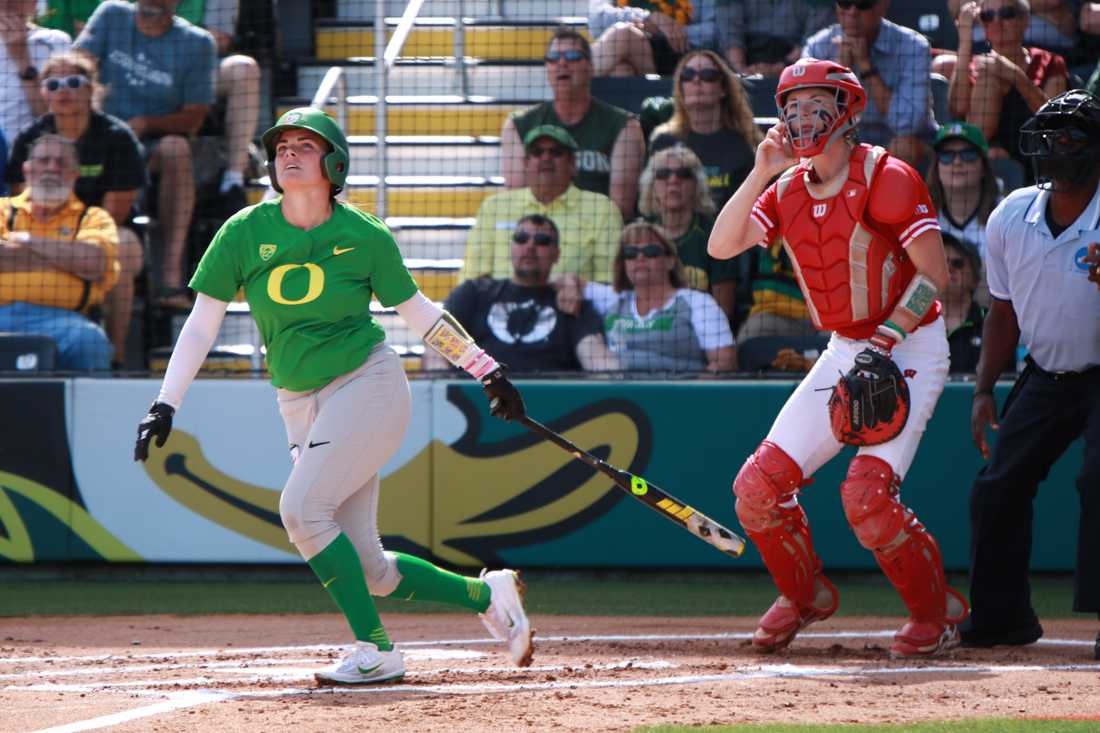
<point x="23" y="52"/>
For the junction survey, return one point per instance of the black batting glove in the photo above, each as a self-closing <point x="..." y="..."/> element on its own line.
<point x="157" y="423"/>
<point x="505" y="401"/>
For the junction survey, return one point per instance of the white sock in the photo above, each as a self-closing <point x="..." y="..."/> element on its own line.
<point x="231" y="179"/>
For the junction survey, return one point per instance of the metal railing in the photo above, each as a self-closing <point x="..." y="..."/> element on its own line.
<point x="388" y="53"/>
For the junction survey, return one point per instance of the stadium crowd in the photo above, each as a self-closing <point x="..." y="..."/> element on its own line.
<point x="162" y="112"/>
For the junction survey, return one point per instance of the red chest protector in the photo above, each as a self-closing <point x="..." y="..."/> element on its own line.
<point x="851" y="275"/>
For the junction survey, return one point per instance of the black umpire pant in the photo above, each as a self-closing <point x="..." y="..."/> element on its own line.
<point x="1044" y="414"/>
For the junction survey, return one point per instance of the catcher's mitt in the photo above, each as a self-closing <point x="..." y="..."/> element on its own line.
<point x="870" y="404"/>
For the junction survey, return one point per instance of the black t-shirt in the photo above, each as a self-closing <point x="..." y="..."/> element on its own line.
<point x="520" y="326"/>
<point x="726" y="157"/>
<point x="110" y="156"/>
<point x="965" y="341"/>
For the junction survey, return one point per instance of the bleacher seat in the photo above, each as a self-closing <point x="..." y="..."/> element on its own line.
<point x="757" y="354"/>
<point x="930" y="18"/>
<point x="21" y="352"/>
<point x="940" y="88"/>
<point x="629" y="92"/>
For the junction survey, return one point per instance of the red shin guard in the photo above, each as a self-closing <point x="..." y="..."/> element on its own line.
<point x="766" y="488"/>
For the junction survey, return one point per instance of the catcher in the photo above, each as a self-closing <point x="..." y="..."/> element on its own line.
<point x="860" y="229"/>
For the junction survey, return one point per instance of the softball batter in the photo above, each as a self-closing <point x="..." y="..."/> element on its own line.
<point x="309" y="265"/>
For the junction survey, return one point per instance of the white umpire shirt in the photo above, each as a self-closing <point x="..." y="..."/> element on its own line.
<point x="1046" y="279"/>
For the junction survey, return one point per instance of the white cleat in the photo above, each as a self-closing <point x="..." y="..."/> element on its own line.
<point x="364" y="665"/>
<point x="505" y="618"/>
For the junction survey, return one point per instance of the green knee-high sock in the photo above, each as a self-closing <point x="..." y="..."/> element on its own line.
<point x="341" y="574"/>
<point x="422" y="581"/>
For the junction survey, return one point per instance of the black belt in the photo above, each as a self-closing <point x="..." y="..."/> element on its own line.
<point x="1064" y="376"/>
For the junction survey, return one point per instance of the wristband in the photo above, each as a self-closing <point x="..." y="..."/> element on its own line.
<point x="981" y="392"/>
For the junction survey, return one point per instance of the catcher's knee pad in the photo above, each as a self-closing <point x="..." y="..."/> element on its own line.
<point x="768" y="478"/>
<point x="767" y="505"/>
<point x="869" y="495"/>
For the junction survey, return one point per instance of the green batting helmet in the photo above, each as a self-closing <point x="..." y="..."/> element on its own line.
<point x="335" y="164"/>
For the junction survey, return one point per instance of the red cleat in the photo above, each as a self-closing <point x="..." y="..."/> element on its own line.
<point x="779" y="625"/>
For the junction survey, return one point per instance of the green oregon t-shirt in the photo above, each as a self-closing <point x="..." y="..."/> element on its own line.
<point x="309" y="292"/>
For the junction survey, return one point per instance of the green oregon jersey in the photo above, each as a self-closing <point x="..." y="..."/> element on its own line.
<point x="309" y="292"/>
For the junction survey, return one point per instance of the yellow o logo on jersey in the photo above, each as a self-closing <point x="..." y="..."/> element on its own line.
<point x="275" y="284"/>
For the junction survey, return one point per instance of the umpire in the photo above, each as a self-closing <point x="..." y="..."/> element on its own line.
<point x="1037" y="241"/>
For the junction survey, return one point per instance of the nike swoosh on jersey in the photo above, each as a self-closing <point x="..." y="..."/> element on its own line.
<point x="336" y="250"/>
<point x="328" y="582"/>
<point x="323" y="442"/>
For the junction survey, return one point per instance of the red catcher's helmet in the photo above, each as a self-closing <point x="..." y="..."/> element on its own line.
<point x="851" y="99"/>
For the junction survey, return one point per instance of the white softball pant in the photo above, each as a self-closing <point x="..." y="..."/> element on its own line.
<point x="802" y="428"/>
<point x="340" y="436"/>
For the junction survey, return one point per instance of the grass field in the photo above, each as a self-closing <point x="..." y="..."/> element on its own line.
<point x="187" y="591"/>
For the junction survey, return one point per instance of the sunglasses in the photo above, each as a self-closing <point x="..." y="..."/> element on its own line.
<point x="632" y="252"/>
<point x="684" y="173"/>
<point x="947" y="157"/>
<point x="857" y="4"/>
<point x="75" y="81"/>
<point x="571" y="56"/>
<point x="541" y="239"/>
<point x="709" y="74"/>
<point x="1006" y="13"/>
<point x="553" y="151"/>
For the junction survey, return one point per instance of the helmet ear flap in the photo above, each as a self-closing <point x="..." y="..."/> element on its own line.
<point x="272" y="177"/>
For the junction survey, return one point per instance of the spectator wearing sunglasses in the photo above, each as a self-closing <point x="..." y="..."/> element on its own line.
<point x="764" y="36"/>
<point x="609" y="141"/>
<point x="711" y="116"/>
<point x="962" y="184"/>
<point x="675" y="198"/>
<point x="589" y="222"/>
<point x="517" y="319"/>
<point x="1052" y="24"/>
<point x="962" y="314"/>
<point x="159" y="71"/>
<point x="998" y="91"/>
<point x="637" y="37"/>
<point x="893" y="64"/>
<point x="651" y="320"/>
<point x="112" y="171"/>
<point x="24" y="48"/>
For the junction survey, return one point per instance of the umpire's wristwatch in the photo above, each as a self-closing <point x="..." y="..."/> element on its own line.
<point x="29" y="74"/>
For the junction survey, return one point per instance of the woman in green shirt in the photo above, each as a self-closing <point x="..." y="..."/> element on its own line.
<point x="308" y="265"/>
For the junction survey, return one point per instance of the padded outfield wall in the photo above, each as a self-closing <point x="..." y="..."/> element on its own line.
<point x="464" y="488"/>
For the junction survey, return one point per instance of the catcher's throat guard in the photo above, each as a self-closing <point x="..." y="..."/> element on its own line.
<point x="870" y="404"/>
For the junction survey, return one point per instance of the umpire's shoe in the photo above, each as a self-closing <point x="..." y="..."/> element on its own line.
<point x="985" y="638"/>
<point x="364" y="665"/>
<point x="505" y="618"/>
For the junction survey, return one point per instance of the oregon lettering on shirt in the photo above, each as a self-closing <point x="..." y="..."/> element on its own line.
<point x="309" y="292"/>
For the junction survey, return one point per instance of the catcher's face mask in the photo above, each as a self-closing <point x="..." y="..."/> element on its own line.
<point x="813" y="115"/>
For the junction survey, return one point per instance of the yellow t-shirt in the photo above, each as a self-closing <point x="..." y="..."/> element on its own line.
<point x="51" y="286"/>
<point x="588" y="225"/>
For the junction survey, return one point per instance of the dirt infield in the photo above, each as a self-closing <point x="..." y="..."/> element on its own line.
<point x="254" y="673"/>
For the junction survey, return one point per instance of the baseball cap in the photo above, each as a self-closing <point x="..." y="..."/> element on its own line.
<point x="555" y="133"/>
<point x="963" y="131"/>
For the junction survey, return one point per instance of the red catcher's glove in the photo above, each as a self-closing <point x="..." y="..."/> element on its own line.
<point x="870" y="404"/>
